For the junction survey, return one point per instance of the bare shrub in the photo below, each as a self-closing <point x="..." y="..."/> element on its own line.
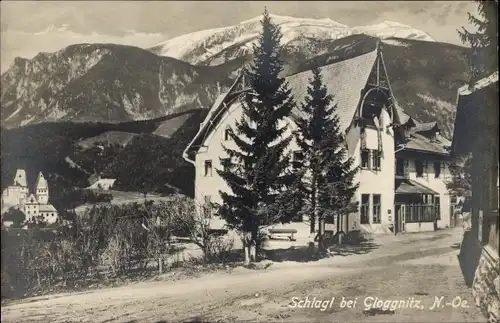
<point x="220" y="250"/>
<point x="120" y="238"/>
<point x="197" y="225"/>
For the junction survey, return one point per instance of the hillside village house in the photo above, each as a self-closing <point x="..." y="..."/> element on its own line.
<point x="104" y="184"/>
<point x="33" y="204"/>
<point x="403" y="163"/>
<point x="476" y="133"/>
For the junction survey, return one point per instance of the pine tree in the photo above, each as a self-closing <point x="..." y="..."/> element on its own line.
<point x="484" y="42"/>
<point x="329" y="185"/>
<point x="258" y="172"/>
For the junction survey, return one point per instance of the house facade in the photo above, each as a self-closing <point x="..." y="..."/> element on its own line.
<point x="35" y="204"/>
<point x="377" y="134"/>
<point x="476" y="133"/>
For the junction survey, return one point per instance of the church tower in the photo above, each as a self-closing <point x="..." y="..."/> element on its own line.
<point x="42" y="189"/>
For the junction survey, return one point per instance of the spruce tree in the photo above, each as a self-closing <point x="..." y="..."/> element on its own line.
<point x="484" y="42"/>
<point x="258" y="171"/>
<point x="329" y="185"/>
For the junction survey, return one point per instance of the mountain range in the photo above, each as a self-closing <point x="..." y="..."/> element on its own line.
<point x="117" y="83"/>
<point x="206" y="47"/>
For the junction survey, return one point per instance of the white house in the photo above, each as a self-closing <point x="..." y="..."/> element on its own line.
<point x="15" y="193"/>
<point x="378" y="134"/>
<point x="104" y="184"/>
<point x="35" y="204"/>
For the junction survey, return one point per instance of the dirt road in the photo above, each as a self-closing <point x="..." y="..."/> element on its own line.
<point x="421" y="266"/>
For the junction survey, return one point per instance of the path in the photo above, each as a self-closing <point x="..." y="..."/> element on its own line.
<point x="419" y="266"/>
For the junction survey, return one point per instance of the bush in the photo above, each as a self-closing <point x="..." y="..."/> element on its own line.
<point x="116" y="238"/>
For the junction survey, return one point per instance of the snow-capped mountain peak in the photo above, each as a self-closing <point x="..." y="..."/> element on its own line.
<point x="389" y="29"/>
<point x="200" y="46"/>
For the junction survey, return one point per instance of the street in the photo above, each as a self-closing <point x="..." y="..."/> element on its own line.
<point x="407" y="278"/>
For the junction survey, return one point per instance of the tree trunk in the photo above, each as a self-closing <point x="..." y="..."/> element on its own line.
<point x="253" y="245"/>
<point x="314" y="206"/>
<point x="247" y="254"/>
<point x="339" y="229"/>
<point x="321" y="235"/>
<point x="246" y="247"/>
<point x="160" y="265"/>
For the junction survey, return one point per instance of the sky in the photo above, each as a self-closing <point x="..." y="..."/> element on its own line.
<point x="30" y="27"/>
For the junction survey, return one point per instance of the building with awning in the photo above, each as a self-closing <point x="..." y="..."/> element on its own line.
<point x="383" y="140"/>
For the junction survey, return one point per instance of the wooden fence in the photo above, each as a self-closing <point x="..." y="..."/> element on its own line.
<point x="414" y="213"/>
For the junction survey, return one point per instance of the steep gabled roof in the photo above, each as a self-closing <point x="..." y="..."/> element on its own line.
<point x="41" y="182"/>
<point x="31" y="199"/>
<point x="20" y="178"/>
<point x="466" y="130"/>
<point x="344" y="81"/>
<point x="404" y="119"/>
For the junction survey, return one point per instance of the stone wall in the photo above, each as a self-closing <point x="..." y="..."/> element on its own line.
<point x="486" y="285"/>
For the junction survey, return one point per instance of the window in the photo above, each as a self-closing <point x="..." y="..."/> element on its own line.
<point x="376" y="160"/>
<point x="227" y="133"/>
<point x="365" y="154"/>
<point x="225" y="163"/>
<point x="437" y="202"/>
<point x="364" y="212"/>
<point x="208" y="168"/>
<point x="437" y="169"/>
<point x="400" y="166"/>
<point x="376" y="208"/>
<point x="419" y="168"/>
<point x="330" y="218"/>
<point x="298" y="158"/>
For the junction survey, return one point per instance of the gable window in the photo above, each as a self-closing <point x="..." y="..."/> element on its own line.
<point x="208" y="168"/>
<point x="365" y="157"/>
<point x="437" y="169"/>
<point x="419" y="168"/>
<point x="376" y="160"/>
<point x="365" y="205"/>
<point x="297" y="159"/>
<point x="376" y="208"/>
<point x="227" y="133"/>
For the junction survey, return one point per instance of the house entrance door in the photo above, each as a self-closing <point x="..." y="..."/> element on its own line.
<point x="399" y="219"/>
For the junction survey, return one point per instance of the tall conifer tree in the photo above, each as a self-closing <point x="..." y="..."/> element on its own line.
<point x="328" y="186"/>
<point x="258" y="171"/>
<point x="484" y="42"/>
